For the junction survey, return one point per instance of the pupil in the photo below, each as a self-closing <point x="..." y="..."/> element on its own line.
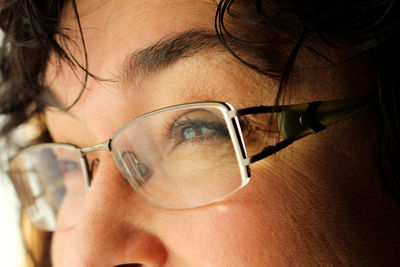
<point x="189" y="133"/>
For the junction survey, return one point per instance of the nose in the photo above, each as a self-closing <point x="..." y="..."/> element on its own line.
<point x="114" y="230"/>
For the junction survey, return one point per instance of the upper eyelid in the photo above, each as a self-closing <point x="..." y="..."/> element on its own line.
<point x="196" y="122"/>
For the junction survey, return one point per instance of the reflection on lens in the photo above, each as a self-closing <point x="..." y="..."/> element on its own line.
<point x="132" y="163"/>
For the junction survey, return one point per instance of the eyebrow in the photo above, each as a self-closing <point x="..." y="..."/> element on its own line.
<point x="170" y="49"/>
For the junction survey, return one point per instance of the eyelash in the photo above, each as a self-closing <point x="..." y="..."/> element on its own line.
<point x="178" y="127"/>
<point x="68" y="166"/>
<point x="173" y="125"/>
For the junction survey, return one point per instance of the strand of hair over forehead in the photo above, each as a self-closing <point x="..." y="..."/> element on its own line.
<point x="303" y="16"/>
<point x="84" y="68"/>
<point x="226" y="39"/>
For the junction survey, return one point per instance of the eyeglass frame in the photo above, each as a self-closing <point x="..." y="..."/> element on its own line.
<point x="296" y="122"/>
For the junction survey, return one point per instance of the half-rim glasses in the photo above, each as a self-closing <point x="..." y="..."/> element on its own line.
<point x="177" y="157"/>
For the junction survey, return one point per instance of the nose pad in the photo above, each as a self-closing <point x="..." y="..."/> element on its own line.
<point x="132" y="163"/>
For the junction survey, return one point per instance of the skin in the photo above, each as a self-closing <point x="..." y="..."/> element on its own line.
<point x="313" y="203"/>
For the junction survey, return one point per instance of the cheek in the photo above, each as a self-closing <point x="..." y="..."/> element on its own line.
<point x="247" y="229"/>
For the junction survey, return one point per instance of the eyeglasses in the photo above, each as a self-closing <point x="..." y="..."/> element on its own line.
<point x="177" y="157"/>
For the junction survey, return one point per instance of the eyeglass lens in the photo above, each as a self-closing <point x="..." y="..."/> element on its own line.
<point x="178" y="158"/>
<point x="50" y="182"/>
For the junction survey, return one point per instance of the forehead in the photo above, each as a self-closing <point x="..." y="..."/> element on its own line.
<point x="113" y="29"/>
<point x="120" y="26"/>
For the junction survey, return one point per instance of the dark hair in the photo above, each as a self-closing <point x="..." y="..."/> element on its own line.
<point x="32" y="31"/>
<point x="370" y="28"/>
<point x="363" y="27"/>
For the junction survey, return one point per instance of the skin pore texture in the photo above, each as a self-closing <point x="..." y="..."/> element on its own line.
<point x="316" y="202"/>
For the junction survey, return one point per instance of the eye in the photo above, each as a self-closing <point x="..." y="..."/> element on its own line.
<point x="200" y="129"/>
<point x="68" y="166"/>
<point x="198" y="126"/>
<point x="189" y="132"/>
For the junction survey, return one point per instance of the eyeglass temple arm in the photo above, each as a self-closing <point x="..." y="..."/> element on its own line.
<point x="299" y="120"/>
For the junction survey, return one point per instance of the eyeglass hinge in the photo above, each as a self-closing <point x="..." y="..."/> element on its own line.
<point x="246" y="161"/>
<point x="231" y="113"/>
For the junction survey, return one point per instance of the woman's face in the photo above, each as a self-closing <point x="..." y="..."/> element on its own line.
<point x="297" y="207"/>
